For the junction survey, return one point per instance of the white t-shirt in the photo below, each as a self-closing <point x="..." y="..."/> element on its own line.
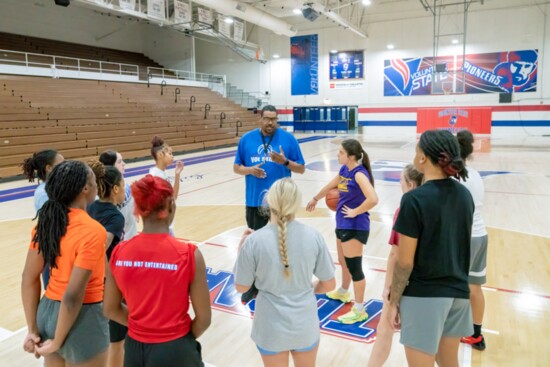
<point x="474" y="184"/>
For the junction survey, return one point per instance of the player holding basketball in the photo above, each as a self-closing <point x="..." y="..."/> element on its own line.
<point x="258" y="160"/>
<point x="478" y="247"/>
<point x="410" y="180"/>
<point x="429" y="295"/>
<point x="355" y="184"/>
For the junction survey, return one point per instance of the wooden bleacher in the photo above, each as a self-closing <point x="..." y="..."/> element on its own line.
<point x="81" y="118"/>
<point x="68" y="52"/>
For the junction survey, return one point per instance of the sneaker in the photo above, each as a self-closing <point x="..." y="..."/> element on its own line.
<point x="476" y="343"/>
<point x="353" y="316"/>
<point x="338" y="296"/>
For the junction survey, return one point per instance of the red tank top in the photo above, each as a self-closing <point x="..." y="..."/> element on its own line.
<point x="154" y="273"/>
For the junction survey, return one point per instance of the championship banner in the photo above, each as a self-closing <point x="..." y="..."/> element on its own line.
<point x="346" y="65"/>
<point x="127" y="4"/>
<point x="304" y="60"/>
<point x="454" y="119"/>
<point x="238" y="31"/>
<point x="223" y="27"/>
<point x="182" y="12"/>
<point x="155" y="9"/>
<point x="498" y="72"/>
<point x="205" y="15"/>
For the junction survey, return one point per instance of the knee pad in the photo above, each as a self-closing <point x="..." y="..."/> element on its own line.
<point x="355" y="267"/>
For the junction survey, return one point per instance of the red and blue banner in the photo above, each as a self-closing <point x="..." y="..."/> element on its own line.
<point x="304" y="65"/>
<point x="498" y="72"/>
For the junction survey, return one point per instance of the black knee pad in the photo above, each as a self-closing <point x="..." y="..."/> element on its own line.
<point x="355" y="267"/>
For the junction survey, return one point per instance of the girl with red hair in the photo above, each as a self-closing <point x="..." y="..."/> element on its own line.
<point x="156" y="275"/>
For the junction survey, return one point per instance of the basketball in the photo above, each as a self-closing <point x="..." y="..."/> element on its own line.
<point x="332" y="199"/>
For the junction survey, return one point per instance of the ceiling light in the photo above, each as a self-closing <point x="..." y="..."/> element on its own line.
<point x="366" y="2"/>
<point x="333" y="51"/>
<point x="297" y="11"/>
<point x="229" y="20"/>
<point x="276" y="56"/>
<point x="454" y="42"/>
<point x="390" y="47"/>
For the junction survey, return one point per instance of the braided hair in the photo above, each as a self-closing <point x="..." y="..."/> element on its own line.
<point x="284" y="199"/>
<point x="354" y="148"/>
<point x="106" y="178"/>
<point x="35" y="166"/>
<point x="65" y="183"/>
<point x="441" y="147"/>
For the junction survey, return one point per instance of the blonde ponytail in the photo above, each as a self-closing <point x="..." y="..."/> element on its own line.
<point x="284" y="200"/>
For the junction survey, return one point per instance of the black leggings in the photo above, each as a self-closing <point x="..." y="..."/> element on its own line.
<point x="185" y="351"/>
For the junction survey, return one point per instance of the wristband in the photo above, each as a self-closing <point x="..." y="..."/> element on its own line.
<point x="287" y="163"/>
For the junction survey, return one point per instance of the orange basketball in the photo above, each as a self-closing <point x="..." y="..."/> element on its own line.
<point x="332" y="199"/>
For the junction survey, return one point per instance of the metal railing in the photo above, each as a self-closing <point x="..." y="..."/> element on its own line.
<point x="184" y="75"/>
<point x="53" y="62"/>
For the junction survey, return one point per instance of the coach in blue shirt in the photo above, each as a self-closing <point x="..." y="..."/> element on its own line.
<point x="265" y="155"/>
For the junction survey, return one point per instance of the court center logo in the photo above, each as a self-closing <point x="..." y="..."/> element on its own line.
<point x="224" y="297"/>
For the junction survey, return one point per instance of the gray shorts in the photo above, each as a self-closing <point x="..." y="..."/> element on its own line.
<point x="424" y="320"/>
<point x="88" y="337"/>
<point x="478" y="260"/>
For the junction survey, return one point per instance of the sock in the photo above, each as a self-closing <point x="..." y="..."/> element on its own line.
<point x="477" y="330"/>
<point x="342" y="290"/>
<point x="359" y="307"/>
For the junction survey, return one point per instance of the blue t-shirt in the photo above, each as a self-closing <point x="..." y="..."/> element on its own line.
<point x="253" y="150"/>
<point x="40" y="196"/>
<point x="351" y="196"/>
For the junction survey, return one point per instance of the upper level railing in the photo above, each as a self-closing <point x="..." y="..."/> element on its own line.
<point x="78" y="66"/>
<point x="29" y="59"/>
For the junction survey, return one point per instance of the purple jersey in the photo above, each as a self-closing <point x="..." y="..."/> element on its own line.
<point x="351" y="196"/>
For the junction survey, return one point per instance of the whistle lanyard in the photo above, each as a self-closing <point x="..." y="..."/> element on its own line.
<point x="266" y="146"/>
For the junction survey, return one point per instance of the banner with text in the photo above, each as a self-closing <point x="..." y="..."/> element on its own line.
<point x="497" y="72"/>
<point x="238" y="31"/>
<point x="455" y="119"/>
<point x="182" y="12"/>
<point x="155" y="9"/>
<point x="205" y="15"/>
<point x="127" y="4"/>
<point x="304" y="65"/>
<point x="224" y="27"/>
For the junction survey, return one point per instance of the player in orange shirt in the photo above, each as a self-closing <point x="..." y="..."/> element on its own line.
<point x="67" y="326"/>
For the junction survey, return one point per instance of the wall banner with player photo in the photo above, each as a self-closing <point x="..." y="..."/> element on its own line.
<point x="497" y="72"/>
<point x="304" y="61"/>
<point x="346" y="65"/>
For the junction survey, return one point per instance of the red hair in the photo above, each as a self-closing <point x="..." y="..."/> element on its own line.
<point x="151" y="195"/>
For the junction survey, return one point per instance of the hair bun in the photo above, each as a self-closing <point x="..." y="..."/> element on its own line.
<point x="157" y="141"/>
<point x="98" y="168"/>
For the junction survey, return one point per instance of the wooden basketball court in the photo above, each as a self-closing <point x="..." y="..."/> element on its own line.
<point x="211" y="213"/>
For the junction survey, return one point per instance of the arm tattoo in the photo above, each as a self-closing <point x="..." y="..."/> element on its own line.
<point x="399" y="282"/>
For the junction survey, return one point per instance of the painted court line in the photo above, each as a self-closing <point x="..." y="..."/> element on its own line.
<point x="208" y="242"/>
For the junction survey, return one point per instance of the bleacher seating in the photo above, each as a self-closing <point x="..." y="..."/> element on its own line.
<point x="81" y="118"/>
<point x="69" y="52"/>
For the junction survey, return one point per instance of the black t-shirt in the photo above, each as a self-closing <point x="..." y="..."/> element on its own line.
<point x="111" y="219"/>
<point x="439" y="214"/>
